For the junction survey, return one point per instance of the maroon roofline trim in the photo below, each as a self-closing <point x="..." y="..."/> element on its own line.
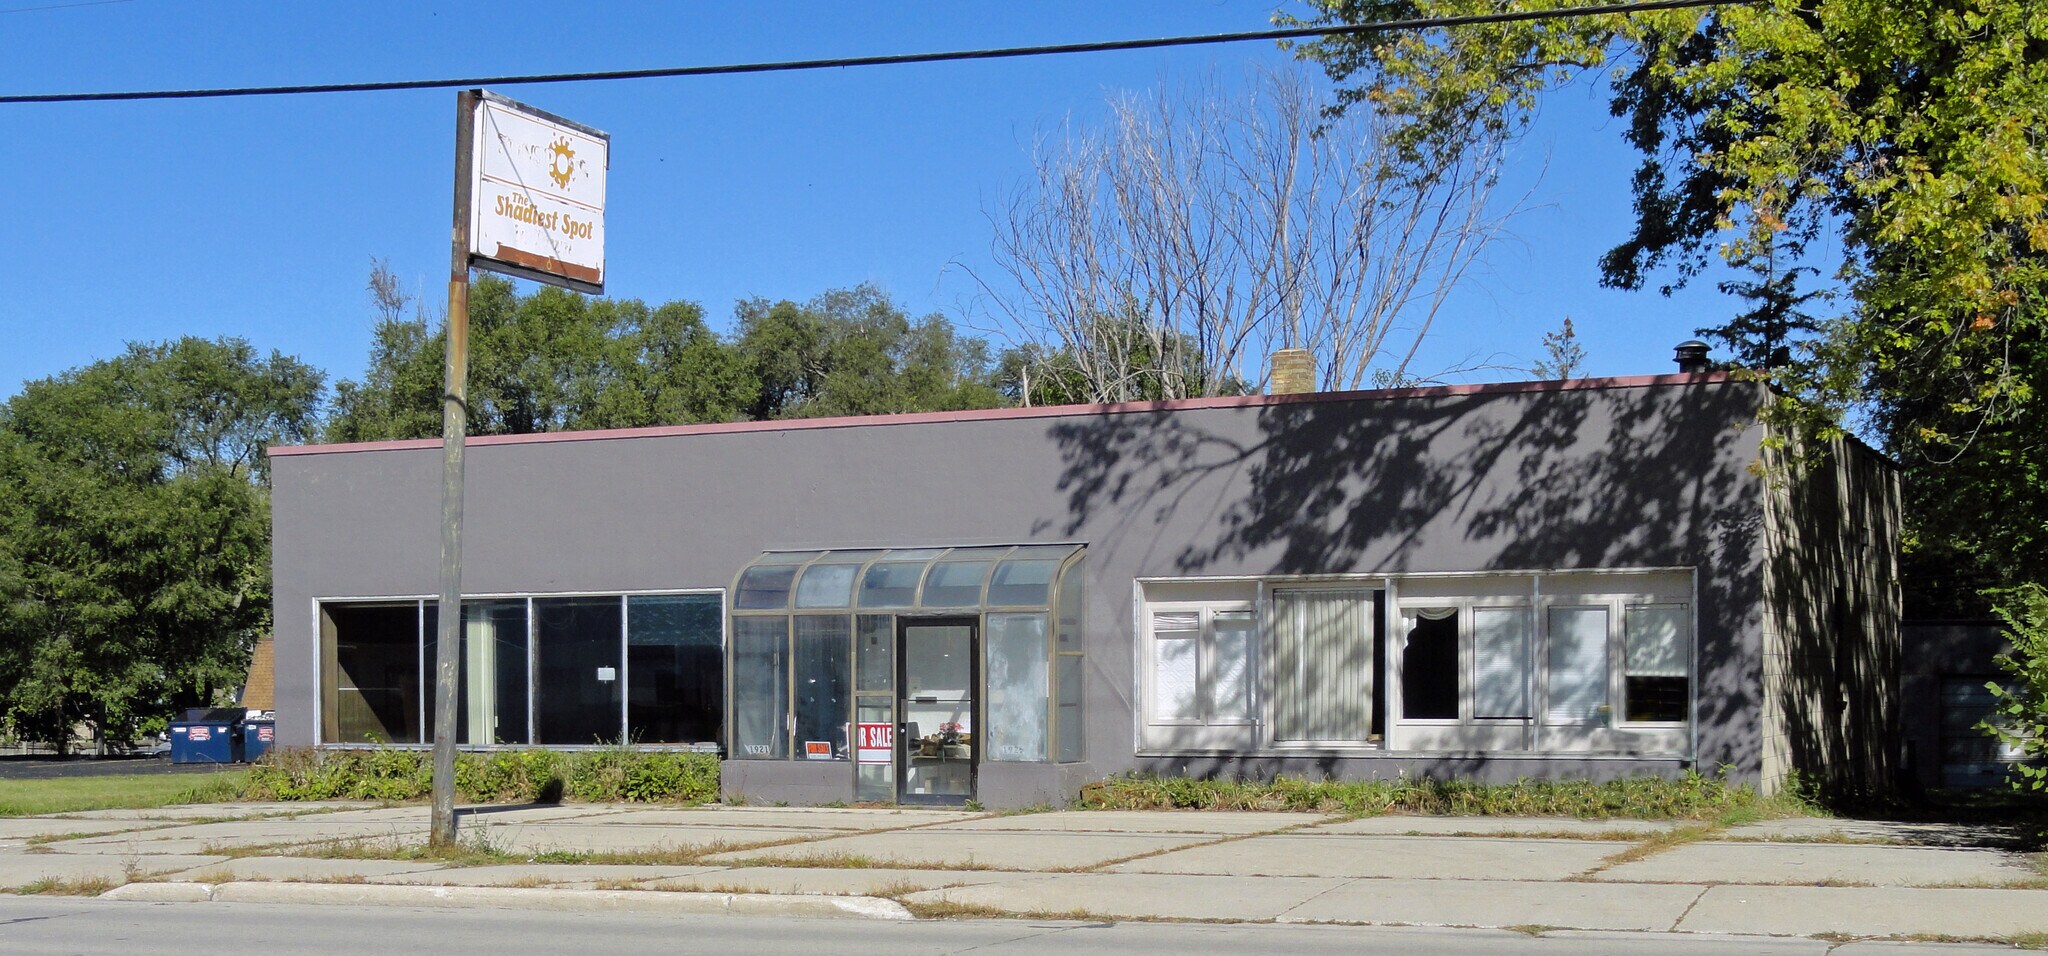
<point x="1036" y="411"/>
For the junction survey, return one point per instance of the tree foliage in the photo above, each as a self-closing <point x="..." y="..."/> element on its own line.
<point x="1883" y="157"/>
<point x="554" y="360"/>
<point x="134" y="530"/>
<point x="2017" y="717"/>
<point x="1906" y="132"/>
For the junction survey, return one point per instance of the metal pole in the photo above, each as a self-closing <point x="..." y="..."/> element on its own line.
<point x="454" y="422"/>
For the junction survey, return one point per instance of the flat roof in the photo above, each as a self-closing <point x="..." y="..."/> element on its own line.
<point x="1032" y="411"/>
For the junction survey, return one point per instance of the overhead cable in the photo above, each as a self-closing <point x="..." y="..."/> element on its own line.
<point x="897" y="59"/>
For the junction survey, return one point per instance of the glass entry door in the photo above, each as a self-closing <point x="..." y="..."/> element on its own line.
<point x="937" y="742"/>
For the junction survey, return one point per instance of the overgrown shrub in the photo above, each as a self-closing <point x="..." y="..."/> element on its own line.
<point x="1693" y="796"/>
<point x="2020" y="720"/>
<point x="503" y="776"/>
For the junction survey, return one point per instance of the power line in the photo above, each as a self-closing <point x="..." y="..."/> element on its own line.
<point x="898" y="59"/>
<point x="64" y="6"/>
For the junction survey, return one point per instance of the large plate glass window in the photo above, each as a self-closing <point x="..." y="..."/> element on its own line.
<point x="491" y="687"/>
<point x="675" y="661"/>
<point x="370" y="673"/>
<point x="577" y="697"/>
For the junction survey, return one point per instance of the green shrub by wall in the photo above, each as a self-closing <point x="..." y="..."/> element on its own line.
<point x="504" y="776"/>
<point x="1693" y="796"/>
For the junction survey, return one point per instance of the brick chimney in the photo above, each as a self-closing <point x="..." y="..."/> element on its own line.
<point x="1294" y="372"/>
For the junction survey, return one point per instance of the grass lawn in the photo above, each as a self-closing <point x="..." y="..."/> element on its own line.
<point x="20" y="798"/>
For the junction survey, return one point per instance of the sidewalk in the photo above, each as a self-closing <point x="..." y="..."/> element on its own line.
<point x="1832" y="878"/>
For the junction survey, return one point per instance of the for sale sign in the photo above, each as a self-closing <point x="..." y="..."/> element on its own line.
<point x="537" y="195"/>
<point x="877" y="743"/>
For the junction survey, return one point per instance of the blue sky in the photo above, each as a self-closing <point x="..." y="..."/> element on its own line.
<point x="259" y="217"/>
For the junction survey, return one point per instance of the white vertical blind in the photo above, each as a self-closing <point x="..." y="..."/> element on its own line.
<point x="1230" y="685"/>
<point x="1322" y="674"/>
<point x="1577" y="664"/>
<point x="1173" y="679"/>
<point x="1656" y="640"/>
<point x="1500" y="662"/>
<point x="1176" y="655"/>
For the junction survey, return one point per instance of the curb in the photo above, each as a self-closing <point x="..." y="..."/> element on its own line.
<point x="525" y="898"/>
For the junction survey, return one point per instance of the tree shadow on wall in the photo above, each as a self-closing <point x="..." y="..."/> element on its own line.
<point x="1543" y="477"/>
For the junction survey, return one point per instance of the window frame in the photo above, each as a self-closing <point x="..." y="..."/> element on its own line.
<point x="1205" y="663"/>
<point x="1688" y="652"/>
<point x="1530" y="592"/>
<point x="423" y="601"/>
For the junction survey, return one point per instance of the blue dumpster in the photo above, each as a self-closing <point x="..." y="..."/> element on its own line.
<point x="258" y="733"/>
<point x="206" y="735"/>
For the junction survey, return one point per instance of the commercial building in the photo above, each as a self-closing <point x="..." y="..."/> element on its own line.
<point x="1595" y="577"/>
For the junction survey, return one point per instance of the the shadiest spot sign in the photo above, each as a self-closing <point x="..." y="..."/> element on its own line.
<point x="537" y="195"/>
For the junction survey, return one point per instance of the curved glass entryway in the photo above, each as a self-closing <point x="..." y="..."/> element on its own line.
<point x="911" y="666"/>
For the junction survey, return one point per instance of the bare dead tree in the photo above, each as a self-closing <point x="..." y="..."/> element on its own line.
<point x="1171" y="253"/>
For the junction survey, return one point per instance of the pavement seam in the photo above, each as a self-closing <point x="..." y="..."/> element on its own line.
<point x="1281" y="917"/>
<point x="1688" y="909"/>
<point x="1227" y="838"/>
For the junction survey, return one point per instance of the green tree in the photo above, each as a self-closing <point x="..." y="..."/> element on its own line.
<point x="1906" y="130"/>
<point x="2016" y="719"/>
<point x="1902" y="135"/>
<point x="856" y="352"/>
<point x="548" y="361"/>
<point x="134" y="530"/>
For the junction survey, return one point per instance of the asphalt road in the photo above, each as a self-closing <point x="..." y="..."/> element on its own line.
<point x="48" y="926"/>
<point x="44" y="767"/>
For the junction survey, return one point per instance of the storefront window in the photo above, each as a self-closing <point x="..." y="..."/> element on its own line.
<point x="675" y="663"/>
<point x="371" y="673"/>
<point x="491" y="689"/>
<point x="1017" y="692"/>
<point x="823" y="680"/>
<point x="577" y="680"/>
<point x="760" y="688"/>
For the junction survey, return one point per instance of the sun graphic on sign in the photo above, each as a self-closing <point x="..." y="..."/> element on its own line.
<point x="562" y="164"/>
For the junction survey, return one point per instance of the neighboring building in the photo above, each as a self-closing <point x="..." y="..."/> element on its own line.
<point x="259" y="689"/>
<point x="1944" y="694"/>
<point x="1551" y="579"/>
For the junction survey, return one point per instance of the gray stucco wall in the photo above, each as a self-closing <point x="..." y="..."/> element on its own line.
<point x="1517" y="478"/>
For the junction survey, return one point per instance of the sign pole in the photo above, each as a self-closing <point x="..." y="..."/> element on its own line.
<point x="454" y="424"/>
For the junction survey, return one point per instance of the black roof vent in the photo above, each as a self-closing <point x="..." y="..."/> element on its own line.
<point x="1692" y="357"/>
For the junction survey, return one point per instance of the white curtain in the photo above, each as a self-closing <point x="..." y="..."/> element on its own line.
<point x="1322" y="665"/>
